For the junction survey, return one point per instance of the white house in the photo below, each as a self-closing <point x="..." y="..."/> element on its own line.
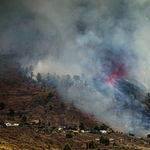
<point x="11" y="125"/>
<point x="82" y="131"/>
<point x="103" y="131"/>
<point x="59" y="128"/>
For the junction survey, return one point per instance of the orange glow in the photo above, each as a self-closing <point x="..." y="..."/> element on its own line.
<point x="109" y="81"/>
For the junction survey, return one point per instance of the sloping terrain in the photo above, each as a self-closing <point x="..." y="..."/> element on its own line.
<point x="28" y="98"/>
<point x="36" y="103"/>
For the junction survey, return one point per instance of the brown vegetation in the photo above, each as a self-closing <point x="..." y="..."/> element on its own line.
<point x="26" y="99"/>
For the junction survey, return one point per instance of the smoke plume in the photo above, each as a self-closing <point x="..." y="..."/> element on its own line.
<point x="90" y="38"/>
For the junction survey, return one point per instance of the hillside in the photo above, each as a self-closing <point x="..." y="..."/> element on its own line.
<point x="30" y="99"/>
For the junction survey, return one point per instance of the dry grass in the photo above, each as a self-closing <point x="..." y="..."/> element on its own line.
<point x="25" y="97"/>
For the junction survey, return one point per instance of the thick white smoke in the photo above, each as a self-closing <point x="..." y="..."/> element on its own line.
<point x="84" y="37"/>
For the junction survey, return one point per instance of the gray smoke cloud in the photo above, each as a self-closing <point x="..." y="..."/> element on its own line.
<point x="81" y="37"/>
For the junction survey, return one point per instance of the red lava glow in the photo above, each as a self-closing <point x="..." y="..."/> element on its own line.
<point x="117" y="72"/>
<point x="109" y="81"/>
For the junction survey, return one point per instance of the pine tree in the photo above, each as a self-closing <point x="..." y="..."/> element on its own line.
<point x="67" y="147"/>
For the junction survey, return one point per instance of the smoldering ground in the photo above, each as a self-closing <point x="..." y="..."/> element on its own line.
<point x="81" y="37"/>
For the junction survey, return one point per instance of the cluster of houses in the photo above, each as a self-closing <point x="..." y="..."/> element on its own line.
<point x="61" y="129"/>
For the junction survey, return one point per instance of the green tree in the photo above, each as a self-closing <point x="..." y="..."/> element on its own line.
<point x="2" y="105"/>
<point x="62" y="105"/>
<point x="49" y="146"/>
<point x="26" y="70"/>
<point x="82" y="126"/>
<point x="96" y="128"/>
<point x="50" y="107"/>
<point x="67" y="147"/>
<point x="50" y="95"/>
<point x="114" y="144"/>
<point x="20" y="124"/>
<point x="2" y="123"/>
<point x="76" y="78"/>
<point x="39" y="77"/>
<point x="131" y="134"/>
<point x="20" y="114"/>
<point x="102" y="140"/>
<point x="31" y="68"/>
<point x="91" y="144"/>
<point x="49" y="123"/>
<point x="103" y="127"/>
<point x="69" y="135"/>
<point x="18" y="64"/>
<point x="148" y="135"/>
<point x="24" y="118"/>
<point x="31" y="75"/>
<point x="11" y="112"/>
<point x="107" y="142"/>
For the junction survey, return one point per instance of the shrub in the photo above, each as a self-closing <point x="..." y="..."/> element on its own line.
<point x="11" y="112"/>
<point x="103" y="127"/>
<point x="114" y="144"/>
<point x="24" y="118"/>
<point x="62" y="105"/>
<point x="2" y="105"/>
<point x="112" y="131"/>
<point x="49" y="123"/>
<point x="104" y="141"/>
<point x="50" y="95"/>
<point x="95" y="132"/>
<point x="75" y="133"/>
<point x="20" y="124"/>
<point x="131" y="134"/>
<point x="46" y="100"/>
<point x="67" y="147"/>
<point x="69" y="135"/>
<point x="148" y="135"/>
<point x="2" y="123"/>
<point x="49" y="146"/>
<point x="81" y="126"/>
<point x="96" y="128"/>
<point x="50" y="107"/>
<point x="91" y="144"/>
<point x="107" y="142"/>
<point x="20" y="114"/>
<point x="39" y="77"/>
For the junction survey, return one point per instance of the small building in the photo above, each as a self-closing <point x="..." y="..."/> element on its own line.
<point x="82" y="131"/>
<point x="59" y="128"/>
<point x="12" y="124"/>
<point x="103" y="131"/>
<point x="97" y="139"/>
<point x="35" y="121"/>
